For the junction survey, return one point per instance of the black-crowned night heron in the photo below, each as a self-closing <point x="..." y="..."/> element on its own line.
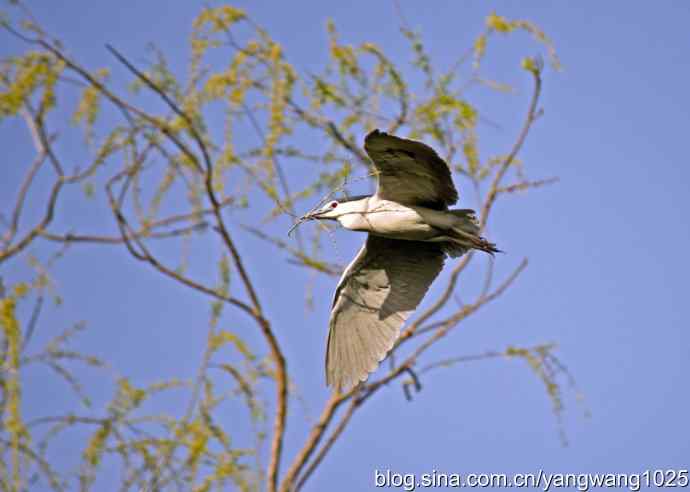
<point x="411" y="231"/>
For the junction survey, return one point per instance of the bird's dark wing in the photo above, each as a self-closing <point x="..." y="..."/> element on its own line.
<point x="378" y="291"/>
<point x="410" y="172"/>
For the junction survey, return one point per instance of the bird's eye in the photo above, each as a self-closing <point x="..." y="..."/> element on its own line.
<point x="334" y="204"/>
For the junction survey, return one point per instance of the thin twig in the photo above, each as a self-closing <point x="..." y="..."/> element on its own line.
<point x="23" y="190"/>
<point x="532" y="115"/>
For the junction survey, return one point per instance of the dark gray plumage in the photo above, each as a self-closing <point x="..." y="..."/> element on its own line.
<point x="410" y="172"/>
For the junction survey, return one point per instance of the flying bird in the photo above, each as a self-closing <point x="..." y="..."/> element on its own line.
<point x="410" y="233"/>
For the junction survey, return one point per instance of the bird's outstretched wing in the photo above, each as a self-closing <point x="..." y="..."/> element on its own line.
<point x="410" y="172"/>
<point x="378" y="291"/>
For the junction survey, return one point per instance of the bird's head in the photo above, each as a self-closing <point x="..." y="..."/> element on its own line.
<point x="333" y="210"/>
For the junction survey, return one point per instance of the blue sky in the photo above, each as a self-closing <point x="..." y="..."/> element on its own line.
<point x="608" y="273"/>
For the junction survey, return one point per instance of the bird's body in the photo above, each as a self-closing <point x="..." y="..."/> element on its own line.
<point x="391" y="219"/>
<point x="410" y="233"/>
<point x="394" y="220"/>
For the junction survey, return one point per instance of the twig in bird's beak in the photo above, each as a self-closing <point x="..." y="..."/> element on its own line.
<point x="308" y="216"/>
<point x="312" y="214"/>
<point x="296" y="225"/>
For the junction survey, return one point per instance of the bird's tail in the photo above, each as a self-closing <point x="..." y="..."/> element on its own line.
<point x="465" y="235"/>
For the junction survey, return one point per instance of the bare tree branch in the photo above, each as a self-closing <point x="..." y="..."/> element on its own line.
<point x="532" y="115"/>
